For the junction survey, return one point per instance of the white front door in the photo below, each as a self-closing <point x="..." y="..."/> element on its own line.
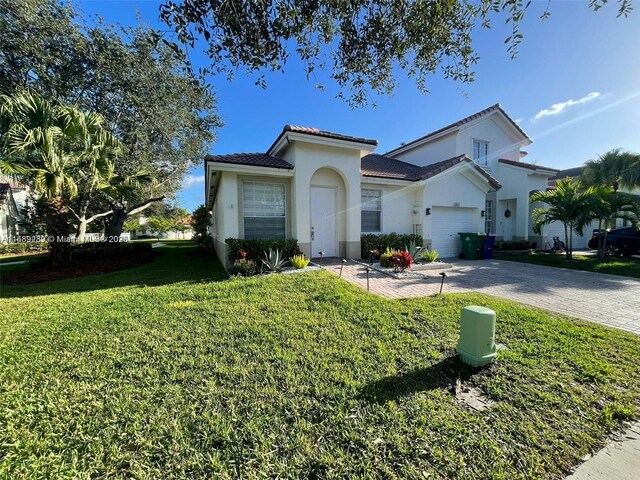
<point x="323" y="222"/>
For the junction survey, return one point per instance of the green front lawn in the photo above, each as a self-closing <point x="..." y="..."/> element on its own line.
<point x="613" y="266"/>
<point x="158" y="372"/>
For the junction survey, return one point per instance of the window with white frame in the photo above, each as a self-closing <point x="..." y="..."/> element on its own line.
<point x="263" y="209"/>
<point x="488" y="216"/>
<point x="371" y="210"/>
<point x="480" y="152"/>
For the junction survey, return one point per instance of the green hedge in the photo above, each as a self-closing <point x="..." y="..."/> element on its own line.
<point x="116" y="251"/>
<point x="22" y="247"/>
<point x="255" y="248"/>
<point x="380" y="242"/>
<point x="514" y="245"/>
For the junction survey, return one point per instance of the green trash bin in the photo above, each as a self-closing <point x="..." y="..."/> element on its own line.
<point x="472" y="245"/>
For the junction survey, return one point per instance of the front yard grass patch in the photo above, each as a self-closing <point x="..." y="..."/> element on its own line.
<point x="293" y="376"/>
<point x="614" y="266"/>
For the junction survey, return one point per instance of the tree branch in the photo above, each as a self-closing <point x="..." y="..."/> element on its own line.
<point x="144" y="205"/>
<point x="98" y="215"/>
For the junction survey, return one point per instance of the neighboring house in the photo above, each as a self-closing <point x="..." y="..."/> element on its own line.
<point x="8" y="213"/>
<point x="21" y="195"/>
<point x="326" y="189"/>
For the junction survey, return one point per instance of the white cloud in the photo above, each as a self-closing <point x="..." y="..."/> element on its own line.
<point x="558" y="108"/>
<point x="191" y="180"/>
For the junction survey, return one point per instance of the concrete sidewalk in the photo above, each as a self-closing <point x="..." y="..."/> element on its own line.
<point x="619" y="460"/>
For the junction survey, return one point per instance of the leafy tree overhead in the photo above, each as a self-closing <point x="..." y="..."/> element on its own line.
<point x="569" y="203"/>
<point x="362" y="41"/>
<point x="163" y="113"/>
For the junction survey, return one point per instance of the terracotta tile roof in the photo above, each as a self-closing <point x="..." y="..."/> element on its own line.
<point x="569" y="172"/>
<point x="379" y="166"/>
<point x="375" y="165"/>
<point x="461" y="122"/>
<point x="529" y="166"/>
<point x="254" y="159"/>
<point x="439" y="167"/>
<point x="324" y="133"/>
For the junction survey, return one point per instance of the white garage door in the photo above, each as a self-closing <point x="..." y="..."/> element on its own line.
<point x="446" y="223"/>
<point x="556" y="229"/>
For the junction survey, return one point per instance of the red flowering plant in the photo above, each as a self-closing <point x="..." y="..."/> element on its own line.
<point x="242" y="254"/>
<point x="400" y="261"/>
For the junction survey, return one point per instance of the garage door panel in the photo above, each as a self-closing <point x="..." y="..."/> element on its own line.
<point x="446" y="223"/>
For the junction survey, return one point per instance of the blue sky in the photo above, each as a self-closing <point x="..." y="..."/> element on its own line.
<point x="574" y="88"/>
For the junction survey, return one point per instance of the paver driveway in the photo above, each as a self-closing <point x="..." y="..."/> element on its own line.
<point x="608" y="299"/>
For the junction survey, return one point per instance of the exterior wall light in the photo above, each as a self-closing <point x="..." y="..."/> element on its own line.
<point x="482" y="213"/>
<point x="427" y="211"/>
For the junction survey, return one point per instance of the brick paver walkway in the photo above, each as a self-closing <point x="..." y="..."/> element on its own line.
<point x="608" y="299"/>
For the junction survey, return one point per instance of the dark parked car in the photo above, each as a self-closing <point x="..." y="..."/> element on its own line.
<point x="620" y="241"/>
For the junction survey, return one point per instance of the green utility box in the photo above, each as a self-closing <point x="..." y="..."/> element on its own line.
<point x="477" y="343"/>
<point x="472" y="245"/>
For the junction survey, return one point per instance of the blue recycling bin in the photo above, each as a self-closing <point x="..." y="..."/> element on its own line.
<point x="487" y="246"/>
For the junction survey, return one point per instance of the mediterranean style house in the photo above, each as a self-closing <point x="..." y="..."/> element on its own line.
<point x="326" y="189"/>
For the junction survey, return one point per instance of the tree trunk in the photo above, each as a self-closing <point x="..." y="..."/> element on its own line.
<point x="115" y="224"/>
<point x="566" y="243"/>
<point x="601" y="240"/>
<point x="82" y="228"/>
<point x="58" y="230"/>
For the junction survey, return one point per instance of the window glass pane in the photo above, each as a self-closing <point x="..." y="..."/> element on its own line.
<point x="371" y="210"/>
<point x="266" y="228"/>
<point x="370" y="221"/>
<point x="480" y="152"/>
<point x="488" y="216"/>
<point x="263" y="207"/>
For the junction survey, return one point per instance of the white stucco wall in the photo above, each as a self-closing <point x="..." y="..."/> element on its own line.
<point x="345" y="163"/>
<point x="432" y="152"/>
<point x="398" y="202"/>
<point x="455" y="188"/>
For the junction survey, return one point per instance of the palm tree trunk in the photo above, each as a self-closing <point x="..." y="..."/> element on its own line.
<point x="566" y="243"/>
<point x="601" y="240"/>
<point x="58" y="230"/>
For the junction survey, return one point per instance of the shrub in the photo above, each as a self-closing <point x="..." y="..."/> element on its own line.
<point x="515" y="245"/>
<point x="400" y="261"/>
<point x="273" y="260"/>
<point x="255" y="249"/>
<point x="429" y="256"/>
<point x="244" y="267"/>
<point x="384" y="258"/>
<point x="298" y="261"/>
<point x="22" y="247"/>
<point x="381" y="242"/>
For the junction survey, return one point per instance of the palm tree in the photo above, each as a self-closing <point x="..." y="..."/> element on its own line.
<point x="569" y="203"/>
<point x="608" y="207"/>
<point x="614" y="169"/>
<point x="59" y="146"/>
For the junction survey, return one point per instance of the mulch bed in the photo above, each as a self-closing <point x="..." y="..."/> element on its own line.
<point x="43" y="272"/>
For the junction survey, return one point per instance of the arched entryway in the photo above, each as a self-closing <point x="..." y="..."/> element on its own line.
<point x="328" y="213"/>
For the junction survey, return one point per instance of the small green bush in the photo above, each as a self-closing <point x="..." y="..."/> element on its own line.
<point x="385" y="258"/>
<point x="244" y="267"/>
<point x="514" y="245"/>
<point x="429" y="256"/>
<point x="379" y="243"/>
<point x="254" y="249"/>
<point x="22" y="247"/>
<point x="299" y="261"/>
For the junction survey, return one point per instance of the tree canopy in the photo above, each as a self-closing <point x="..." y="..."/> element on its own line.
<point x="361" y="42"/>
<point x="164" y="115"/>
